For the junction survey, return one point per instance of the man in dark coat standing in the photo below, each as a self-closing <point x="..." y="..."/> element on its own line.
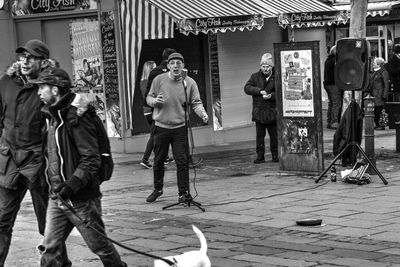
<point x="261" y="86"/>
<point x="393" y="68"/>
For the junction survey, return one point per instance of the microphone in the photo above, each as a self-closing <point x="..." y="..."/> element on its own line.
<point x="184" y="73"/>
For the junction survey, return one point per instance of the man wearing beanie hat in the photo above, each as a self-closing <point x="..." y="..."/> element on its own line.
<point x="393" y="68"/>
<point x="261" y="86"/>
<point x="167" y="96"/>
<point x="21" y="140"/>
<point x="160" y="69"/>
<point x="71" y="171"/>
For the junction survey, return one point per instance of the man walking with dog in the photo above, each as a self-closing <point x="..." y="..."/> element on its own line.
<point x="168" y="98"/>
<point x="74" y="160"/>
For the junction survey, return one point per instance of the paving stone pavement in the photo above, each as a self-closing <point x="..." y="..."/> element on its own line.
<point x="250" y="215"/>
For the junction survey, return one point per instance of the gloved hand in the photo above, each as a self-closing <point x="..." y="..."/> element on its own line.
<point x="64" y="191"/>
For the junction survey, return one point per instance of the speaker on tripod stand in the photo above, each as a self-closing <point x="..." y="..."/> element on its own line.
<point x="352" y="74"/>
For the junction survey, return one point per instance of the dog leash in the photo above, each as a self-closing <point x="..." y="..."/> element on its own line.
<point x="87" y="224"/>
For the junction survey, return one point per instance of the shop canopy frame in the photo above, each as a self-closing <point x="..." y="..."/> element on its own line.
<point x="155" y="19"/>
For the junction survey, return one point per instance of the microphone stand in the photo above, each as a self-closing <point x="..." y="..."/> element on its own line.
<point x="189" y="201"/>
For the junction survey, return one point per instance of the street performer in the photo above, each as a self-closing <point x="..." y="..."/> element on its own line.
<point x="167" y="96"/>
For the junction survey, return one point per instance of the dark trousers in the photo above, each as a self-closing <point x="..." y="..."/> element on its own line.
<point x="10" y="203"/>
<point x="150" y="142"/>
<point x="260" y="139"/>
<point x="178" y="139"/>
<point x="377" y="114"/>
<point x="335" y="100"/>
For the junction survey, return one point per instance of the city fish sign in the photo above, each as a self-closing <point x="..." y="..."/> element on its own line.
<point x="313" y="19"/>
<point x="27" y="7"/>
<point x="196" y="25"/>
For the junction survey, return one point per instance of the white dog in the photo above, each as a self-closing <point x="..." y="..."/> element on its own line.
<point x="197" y="258"/>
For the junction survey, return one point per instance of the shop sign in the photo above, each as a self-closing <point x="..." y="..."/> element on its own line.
<point x="26" y="7"/>
<point x="196" y="25"/>
<point x="313" y="19"/>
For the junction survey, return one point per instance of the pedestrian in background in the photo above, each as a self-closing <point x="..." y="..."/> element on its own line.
<point x="167" y="96"/>
<point x="261" y="86"/>
<point x="73" y="158"/>
<point x="335" y="94"/>
<point x="148" y="66"/>
<point x="21" y="159"/>
<point x="393" y="68"/>
<point x="379" y="88"/>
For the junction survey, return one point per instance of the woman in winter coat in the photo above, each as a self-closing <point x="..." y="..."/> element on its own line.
<point x="379" y="88"/>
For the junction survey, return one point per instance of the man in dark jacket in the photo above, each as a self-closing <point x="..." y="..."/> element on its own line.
<point x="21" y="141"/>
<point x="261" y="86"/>
<point x="72" y="173"/>
<point x="393" y="68"/>
<point x="335" y="95"/>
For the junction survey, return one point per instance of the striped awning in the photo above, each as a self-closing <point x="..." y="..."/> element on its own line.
<point x="139" y="21"/>
<point x="374" y="8"/>
<point x="155" y="19"/>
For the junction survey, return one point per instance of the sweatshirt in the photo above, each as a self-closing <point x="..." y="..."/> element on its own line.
<point x="171" y="114"/>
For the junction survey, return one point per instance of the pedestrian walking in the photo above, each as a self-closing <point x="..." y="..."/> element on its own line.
<point x="335" y="94"/>
<point x="21" y="160"/>
<point x="148" y="66"/>
<point x="379" y="89"/>
<point x="73" y="157"/>
<point x="261" y="86"/>
<point x="167" y="96"/>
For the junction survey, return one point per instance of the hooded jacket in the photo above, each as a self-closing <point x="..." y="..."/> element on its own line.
<point x="76" y="144"/>
<point x="264" y="110"/>
<point x="21" y="123"/>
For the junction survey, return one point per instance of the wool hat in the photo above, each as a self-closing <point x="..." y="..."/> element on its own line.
<point x="36" y="48"/>
<point x="266" y="59"/>
<point x="54" y="76"/>
<point x="175" y="55"/>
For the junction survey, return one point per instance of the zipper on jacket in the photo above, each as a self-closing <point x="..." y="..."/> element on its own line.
<point x="61" y="167"/>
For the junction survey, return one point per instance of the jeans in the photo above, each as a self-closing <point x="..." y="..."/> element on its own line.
<point x="61" y="221"/>
<point x="335" y="100"/>
<point x="178" y="138"/>
<point x="10" y="203"/>
<point x="260" y="139"/>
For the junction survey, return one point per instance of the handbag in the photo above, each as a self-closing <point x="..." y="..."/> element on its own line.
<point x="383" y="118"/>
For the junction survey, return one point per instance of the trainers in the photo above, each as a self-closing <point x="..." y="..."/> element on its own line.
<point x="168" y="160"/>
<point x="258" y="161"/>
<point x="184" y="198"/>
<point x="154" y="195"/>
<point x="146" y="164"/>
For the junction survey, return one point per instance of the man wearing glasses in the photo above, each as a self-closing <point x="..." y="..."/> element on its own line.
<point x="261" y="86"/>
<point x="21" y="123"/>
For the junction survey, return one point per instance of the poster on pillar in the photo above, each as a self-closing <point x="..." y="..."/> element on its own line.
<point x="299" y="109"/>
<point x="86" y="63"/>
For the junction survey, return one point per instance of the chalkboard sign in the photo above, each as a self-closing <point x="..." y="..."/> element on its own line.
<point x="215" y="84"/>
<point x="110" y="70"/>
<point x="109" y="56"/>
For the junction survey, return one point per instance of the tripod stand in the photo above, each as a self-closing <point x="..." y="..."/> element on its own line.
<point x="189" y="199"/>
<point x="353" y="144"/>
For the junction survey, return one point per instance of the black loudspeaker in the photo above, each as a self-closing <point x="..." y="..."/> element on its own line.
<point x="352" y="64"/>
